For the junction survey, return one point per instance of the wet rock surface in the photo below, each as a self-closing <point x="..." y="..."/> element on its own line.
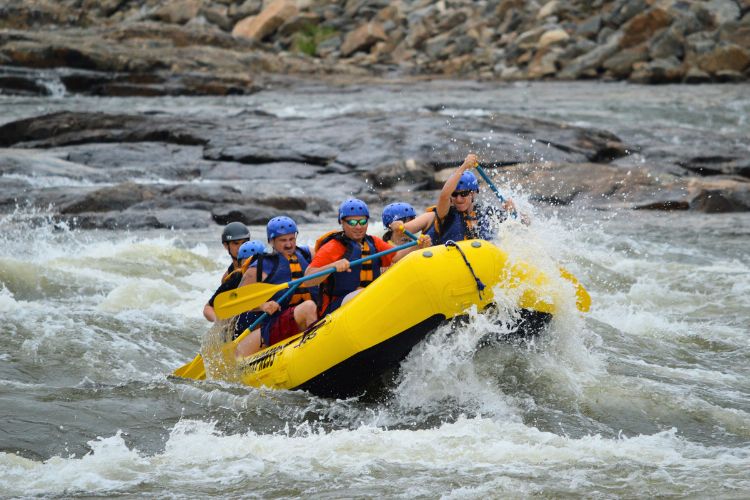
<point x="154" y="169"/>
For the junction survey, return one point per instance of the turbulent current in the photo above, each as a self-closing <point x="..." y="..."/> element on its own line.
<point x="646" y="395"/>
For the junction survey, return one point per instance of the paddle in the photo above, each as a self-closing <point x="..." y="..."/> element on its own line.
<point x="583" y="299"/>
<point x="196" y="369"/>
<point x="494" y="188"/>
<point x="249" y="297"/>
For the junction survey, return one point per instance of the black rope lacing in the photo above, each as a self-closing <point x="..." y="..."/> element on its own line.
<point x="480" y="285"/>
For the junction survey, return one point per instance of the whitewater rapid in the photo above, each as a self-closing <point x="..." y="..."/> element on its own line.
<point x="647" y="395"/>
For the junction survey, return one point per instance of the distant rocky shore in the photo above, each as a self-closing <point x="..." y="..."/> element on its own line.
<point x="219" y="47"/>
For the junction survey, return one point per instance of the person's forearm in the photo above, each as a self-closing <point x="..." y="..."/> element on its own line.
<point x="444" y="200"/>
<point x="312" y="270"/>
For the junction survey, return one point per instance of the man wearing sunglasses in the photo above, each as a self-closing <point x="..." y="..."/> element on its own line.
<point x="456" y="215"/>
<point x="337" y="248"/>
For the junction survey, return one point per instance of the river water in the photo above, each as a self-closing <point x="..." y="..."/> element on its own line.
<point x="647" y="395"/>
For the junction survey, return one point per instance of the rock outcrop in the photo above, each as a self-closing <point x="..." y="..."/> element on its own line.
<point x="170" y="47"/>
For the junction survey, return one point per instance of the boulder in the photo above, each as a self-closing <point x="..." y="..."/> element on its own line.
<point x="553" y="37"/>
<point x="668" y="43"/>
<point x="267" y="22"/>
<point x="548" y="9"/>
<point x="529" y="39"/>
<point x="590" y="27"/>
<point x="717" y="165"/>
<point x="667" y="70"/>
<point x="643" y="26"/>
<point x="114" y="198"/>
<point x="718" y="196"/>
<point x="592" y="60"/>
<point x="177" y="11"/>
<point x="408" y="171"/>
<point x="620" y="65"/>
<point x="724" y="58"/>
<point x="695" y="75"/>
<point x="363" y="38"/>
<point x="238" y="11"/>
<point x="624" y="10"/>
<point x="722" y="11"/>
<point x="736" y="32"/>
<point x="729" y="76"/>
<point x="544" y="63"/>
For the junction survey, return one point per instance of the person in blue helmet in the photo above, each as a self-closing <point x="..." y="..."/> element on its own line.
<point x="337" y="248"/>
<point x="397" y="212"/>
<point x="246" y="253"/>
<point x="287" y="262"/>
<point x="456" y="215"/>
<point x="404" y="213"/>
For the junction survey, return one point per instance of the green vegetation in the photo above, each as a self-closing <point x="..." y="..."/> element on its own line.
<point x="307" y="39"/>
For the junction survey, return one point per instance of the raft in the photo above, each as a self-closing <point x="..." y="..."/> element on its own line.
<point x="344" y="352"/>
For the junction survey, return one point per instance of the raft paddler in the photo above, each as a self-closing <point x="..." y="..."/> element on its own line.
<point x="247" y="252"/>
<point x="337" y="248"/>
<point x="287" y="262"/>
<point x="233" y="236"/>
<point x="457" y="216"/>
<point x="397" y="213"/>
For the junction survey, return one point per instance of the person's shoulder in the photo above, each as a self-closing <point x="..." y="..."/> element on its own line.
<point x="329" y="251"/>
<point x="332" y="244"/>
<point x="380" y="243"/>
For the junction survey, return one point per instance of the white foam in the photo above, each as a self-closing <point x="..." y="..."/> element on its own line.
<point x="197" y="456"/>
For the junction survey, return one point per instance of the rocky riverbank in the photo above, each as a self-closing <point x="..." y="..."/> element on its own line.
<point x="204" y="47"/>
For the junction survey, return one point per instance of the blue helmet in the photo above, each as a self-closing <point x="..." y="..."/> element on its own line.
<point x="468" y="182"/>
<point x="397" y="211"/>
<point x="279" y="226"/>
<point x="353" y="207"/>
<point x="250" y="248"/>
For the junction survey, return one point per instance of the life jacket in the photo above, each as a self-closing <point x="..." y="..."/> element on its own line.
<point x="278" y="269"/>
<point x="247" y="318"/>
<point x="230" y="270"/>
<point x="338" y="285"/>
<point x="458" y="226"/>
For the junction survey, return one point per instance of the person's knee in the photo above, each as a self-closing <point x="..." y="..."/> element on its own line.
<point x="306" y="313"/>
<point x="250" y="344"/>
<point x="351" y="295"/>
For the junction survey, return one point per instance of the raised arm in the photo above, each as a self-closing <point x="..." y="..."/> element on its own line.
<point x="444" y="200"/>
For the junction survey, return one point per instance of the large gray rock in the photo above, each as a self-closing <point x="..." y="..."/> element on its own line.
<point x="591" y="60"/>
<point x="669" y="43"/>
<point x="620" y="65"/>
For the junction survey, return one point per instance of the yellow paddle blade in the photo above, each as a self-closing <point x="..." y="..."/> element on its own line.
<point x="583" y="299"/>
<point x="195" y="369"/>
<point x="244" y="298"/>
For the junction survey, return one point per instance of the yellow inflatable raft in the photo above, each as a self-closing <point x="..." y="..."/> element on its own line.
<point x="345" y="351"/>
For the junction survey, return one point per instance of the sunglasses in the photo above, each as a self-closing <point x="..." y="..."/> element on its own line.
<point x="462" y="194"/>
<point x="354" y="222"/>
